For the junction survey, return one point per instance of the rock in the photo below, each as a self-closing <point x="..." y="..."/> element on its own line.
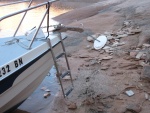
<point x="146" y="96"/>
<point x="110" y="37"/>
<point x="68" y="54"/>
<point x="72" y="106"/>
<point x="129" y="93"/>
<point x="107" y="58"/>
<point x="66" y="78"/>
<point x="47" y="94"/>
<point x="146" y="71"/>
<point x="47" y="90"/>
<point x="90" y="39"/>
<point x="144" y="57"/>
<point x="144" y="38"/>
<point x="134" y="108"/>
<point x="84" y="56"/>
<point x="100" y="108"/>
<point x="138" y="56"/>
<point x="146" y="45"/>
<point x="88" y="47"/>
<point x="101" y="51"/>
<point x="133" y="54"/>
<point x="88" y="101"/>
<point x="122" y="36"/>
<point x="123" y="65"/>
<point x="94" y="61"/>
<point x="142" y="63"/>
<point x="104" y="68"/>
<point x="115" y="44"/>
<point x="43" y="88"/>
<point x="127" y="23"/>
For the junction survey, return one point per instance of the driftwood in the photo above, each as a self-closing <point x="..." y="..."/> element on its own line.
<point x="60" y="28"/>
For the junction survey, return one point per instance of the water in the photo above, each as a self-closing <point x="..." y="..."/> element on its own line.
<point x="36" y="103"/>
<point x="32" y="19"/>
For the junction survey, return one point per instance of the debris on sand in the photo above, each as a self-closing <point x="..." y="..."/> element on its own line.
<point x="46" y="94"/>
<point x="107" y="58"/>
<point x="72" y="106"/>
<point x="134" y="108"/>
<point x="129" y="93"/>
<point x="146" y="96"/>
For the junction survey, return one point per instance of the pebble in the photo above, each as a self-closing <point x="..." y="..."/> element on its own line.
<point x="47" y="95"/>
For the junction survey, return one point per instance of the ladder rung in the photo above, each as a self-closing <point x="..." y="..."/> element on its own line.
<point x="69" y="91"/>
<point x="61" y="54"/>
<point x="64" y="74"/>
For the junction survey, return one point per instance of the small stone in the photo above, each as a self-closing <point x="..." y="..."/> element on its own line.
<point x="47" y="95"/>
<point x="47" y="90"/>
<point x="134" y="108"/>
<point x="101" y="51"/>
<point x="110" y="37"/>
<point x="66" y="78"/>
<point x="122" y="36"/>
<point x="90" y="39"/>
<point x="129" y="93"/>
<point x="84" y="56"/>
<point x="133" y="54"/>
<point x="88" y="101"/>
<point x="107" y="58"/>
<point x="43" y="88"/>
<point x="72" y="106"/>
<point x="104" y="68"/>
<point x="142" y="63"/>
<point x="146" y="96"/>
<point x="68" y="54"/>
<point x="138" y="56"/>
<point x="146" y="45"/>
<point x="88" y="47"/>
<point x="146" y="72"/>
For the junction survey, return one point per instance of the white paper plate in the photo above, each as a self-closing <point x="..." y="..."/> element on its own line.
<point x="99" y="45"/>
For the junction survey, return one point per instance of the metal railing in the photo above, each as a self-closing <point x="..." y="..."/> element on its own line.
<point x="11" y="3"/>
<point x="47" y="4"/>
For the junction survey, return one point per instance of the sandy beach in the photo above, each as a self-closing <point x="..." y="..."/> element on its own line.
<point x="103" y="78"/>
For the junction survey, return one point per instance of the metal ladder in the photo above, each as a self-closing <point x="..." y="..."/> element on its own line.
<point x="68" y="72"/>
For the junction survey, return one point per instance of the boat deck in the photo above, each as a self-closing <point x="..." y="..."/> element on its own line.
<point x="16" y="51"/>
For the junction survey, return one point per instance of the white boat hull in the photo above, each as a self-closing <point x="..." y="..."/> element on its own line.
<point x="31" y="76"/>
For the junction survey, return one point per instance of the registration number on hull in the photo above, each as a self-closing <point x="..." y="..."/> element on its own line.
<point x="7" y="68"/>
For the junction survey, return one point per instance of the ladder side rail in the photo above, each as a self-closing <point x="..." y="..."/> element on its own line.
<point x="55" y="63"/>
<point x="63" y="47"/>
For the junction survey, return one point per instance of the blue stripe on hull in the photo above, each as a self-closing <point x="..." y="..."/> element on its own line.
<point x="7" y="82"/>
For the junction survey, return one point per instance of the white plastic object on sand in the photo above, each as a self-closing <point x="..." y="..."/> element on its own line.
<point x="99" y="45"/>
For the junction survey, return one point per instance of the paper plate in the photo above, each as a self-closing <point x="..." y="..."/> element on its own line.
<point x="99" y="45"/>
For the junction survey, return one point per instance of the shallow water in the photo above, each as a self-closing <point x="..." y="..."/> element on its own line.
<point x="36" y="103"/>
<point x="32" y="19"/>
